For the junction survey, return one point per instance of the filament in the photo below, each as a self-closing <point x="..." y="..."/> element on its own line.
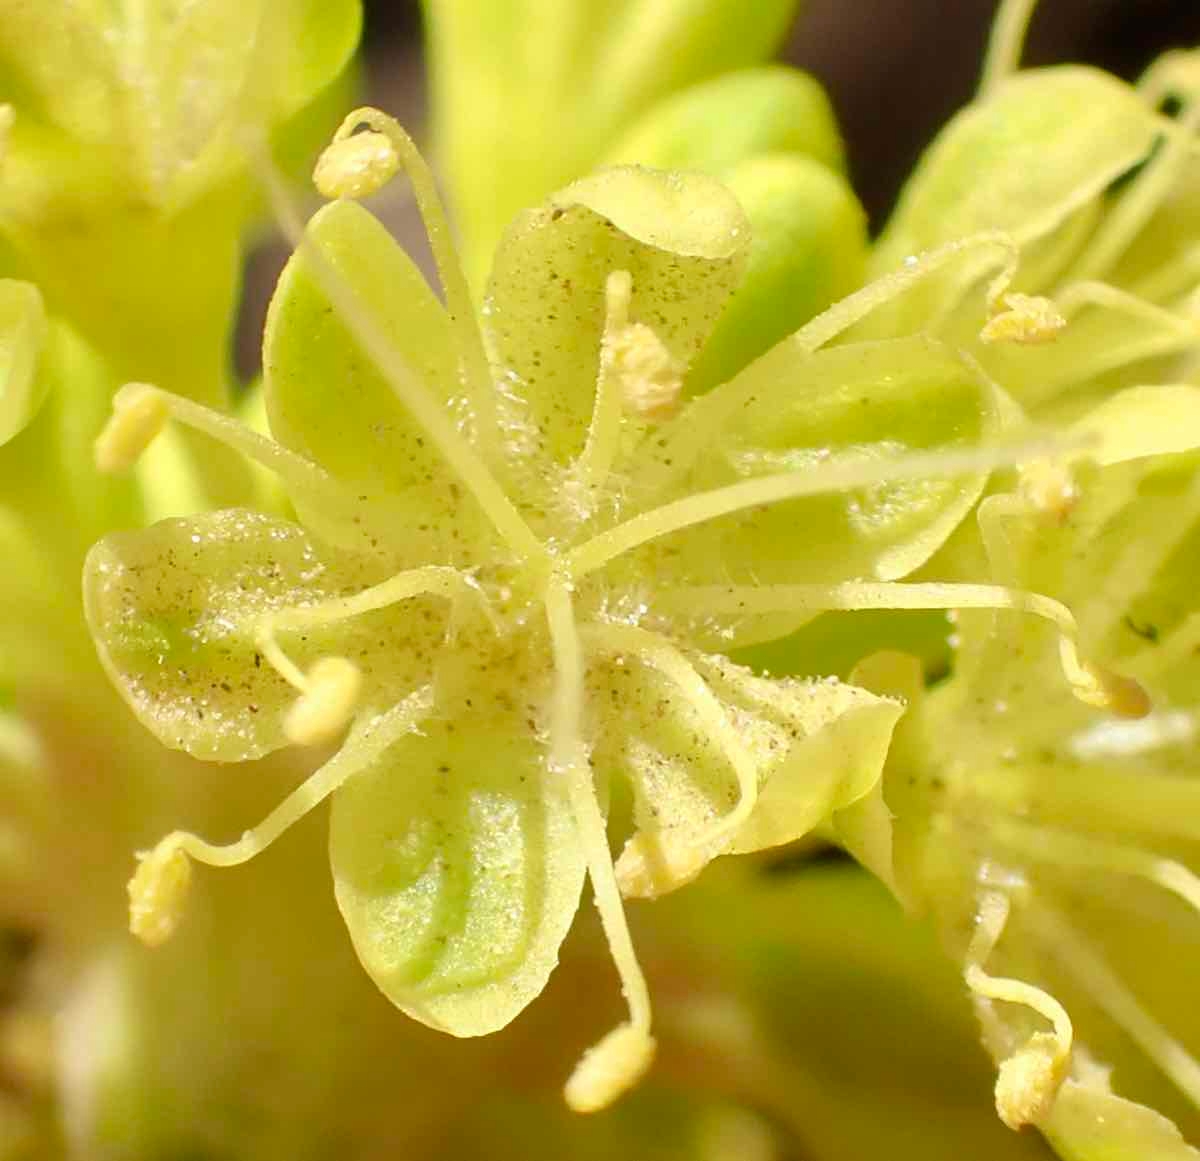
<point x="860" y="473"/>
<point x="620" y="1058"/>
<point x="459" y="304"/>
<point x="1106" y="989"/>
<point x="1006" y="43"/>
<point x="158" y="889"/>
<point x="407" y="386"/>
<point x="658" y="653"/>
<point x="1091" y="684"/>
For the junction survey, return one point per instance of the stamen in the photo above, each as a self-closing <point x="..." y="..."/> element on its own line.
<point x="1074" y="850"/>
<point x="855" y="307"/>
<point x="157" y="893"/>
<point x="357" y="166"/>
<point x="8" y="117"/>
<point x="158" y="888"/>
<point x="1006" y="43"/>
<point x="770" y="489"/>
<point x="604" y="433"/>
<point x="648" y="866"/>
<point x="387" y="139"/>
<point x="1024" y="319"/>
<point x="457" y="451"/>
<point x="1091" y="683"/>
<point x="1029" y="1078"/>
<point x="321" y="712"/>
<point x="1106" y="989"/>
<point x="330" y="689"/>
<point x="139" y="410"/>
<point x="139" y="414"/>
<point x="620" y="1059"/>
<point x="1050" y="487"/>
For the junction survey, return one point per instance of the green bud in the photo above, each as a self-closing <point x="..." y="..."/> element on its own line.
<point x="808" y="249"/>
<point x="720" y="123"/>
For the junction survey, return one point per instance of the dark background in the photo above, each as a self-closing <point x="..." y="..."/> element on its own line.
<point x="896" y="69"/>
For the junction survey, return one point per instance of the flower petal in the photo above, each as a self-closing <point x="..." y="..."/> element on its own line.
<point x="326" y="398"/>
<point x="809" y="249"/>
<point x="816" y="747"/>
<point x="1091" y="1123"/>
<point x="802" y="413"/>
<point x="1043" y="146"/>
<point x="682" y="237"/>
<point x="457" y="869"/>
<point x="174" y="610"/>
<point x="22" y="331"/>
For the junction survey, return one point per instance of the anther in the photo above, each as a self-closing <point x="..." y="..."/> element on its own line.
<point x="356" y="166"/>
<point x="1120" y="695"/>
<point x="140" y="412"/>
<point x="158" y="891"/>
<point x="649" y="377"/>
<point x="1050" y="487"/>
<point x="7" y="117"/>
<point x="649" y="380"/>
<point x="1029" y="1080"/>
<point x="609" y="1068"/>
<point x="331" y="691"/>
<point x="1025" y="319"/>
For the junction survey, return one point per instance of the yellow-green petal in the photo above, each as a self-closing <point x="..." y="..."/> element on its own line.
<point x="175" y="611"/>
<point x="682" y="237"/>
<point x="22" y="331"/>
<point x="456" y="867"/>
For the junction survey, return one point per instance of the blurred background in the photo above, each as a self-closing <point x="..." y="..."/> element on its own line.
<point x="895" y="70"/>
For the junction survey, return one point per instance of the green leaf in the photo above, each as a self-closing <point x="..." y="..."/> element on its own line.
<point x="1025" y="161"/>
<point x="804" y="413"/>
<point x="531" y="94"/>
<point x="457" y="868"/>
<point x="684" y="240"/>
<point x="808" y="249"/>
<point x="720" y="123"/>
<point x="174" y="611"/>
<point x="22" y="331"/>
<point x="816" y="747"/>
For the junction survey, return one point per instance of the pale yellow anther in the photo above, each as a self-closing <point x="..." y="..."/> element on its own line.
<point x="1026" y="319"/>
<point x="356" y="166"/>
<point x="1029" y="1080"/>
<point x="7" y="117"/>
<point x="140" y="412"/>
<point x="649" y="381"/>
<point x="158" y="892"/>
<point x="609" y="1068"/>
<point x="331" y="692"/>
<point x="1050" y="487"/>
<point x="1118" y="694"/>
<point x="651" y="866"/>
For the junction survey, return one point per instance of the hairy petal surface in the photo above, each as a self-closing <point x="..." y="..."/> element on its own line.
<point x="814" y="747"/>
<point x="175" y="611"/>
<point x="806" y="413"/>
<point x="682" y="237"/>
<point x="456" y="866"/>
